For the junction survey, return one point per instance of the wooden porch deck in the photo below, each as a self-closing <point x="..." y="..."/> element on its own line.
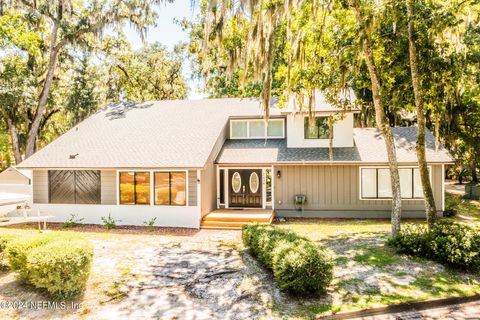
<point x="234" y="219"/>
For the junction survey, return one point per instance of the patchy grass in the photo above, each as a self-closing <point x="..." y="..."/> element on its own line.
<point x="375" y="257"/>
<point x="466" y="210"/>
<point x="370" y="274"/>
<point x="367" y="273"/>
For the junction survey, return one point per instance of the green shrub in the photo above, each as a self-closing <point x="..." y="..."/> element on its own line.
<point x="446" y="241"/>
<point x="109" y="222"/>
<point x="411" y="240"/>
<point x="299" y="265"/>
<point x="73" y="221"/>
<point x="60" y="267"/>
<point x="17" y="251"/>
<point x="4" y="240"/>
<point x="452" y="203"/>
<point x="150" y="223"/>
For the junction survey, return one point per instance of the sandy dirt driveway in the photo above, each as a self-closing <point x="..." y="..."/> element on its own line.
<point x="199" y="276"/>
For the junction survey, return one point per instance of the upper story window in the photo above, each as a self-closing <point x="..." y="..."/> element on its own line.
<point x="317" y="128"/>
<point x="257" y="129"/>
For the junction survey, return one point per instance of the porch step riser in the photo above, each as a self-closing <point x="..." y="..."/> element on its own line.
<point x="234" y="220"/>
<point x="239" y="219"/>
<point x="238" y="224"/>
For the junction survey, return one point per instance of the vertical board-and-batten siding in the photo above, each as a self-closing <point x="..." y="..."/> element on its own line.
<point x="337" y="187"/>
<point x="108" y="186"/>
<point x="208" y="180"/>
<point x="40" y="186"/>
<point x="192" y="188"/>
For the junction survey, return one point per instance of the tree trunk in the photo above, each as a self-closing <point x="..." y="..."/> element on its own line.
<point x="42" y="102"/>
<point x="474" y="170"/>
<point x="382" y="123"/>
<point x="12" y="130"/>
<point x="430" y="209"/>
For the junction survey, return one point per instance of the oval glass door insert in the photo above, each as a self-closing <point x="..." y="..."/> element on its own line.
<point x="254" y="182"/>
<point x="236" y="182"/>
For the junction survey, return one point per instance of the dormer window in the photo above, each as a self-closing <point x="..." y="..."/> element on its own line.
<point x="256" y="129"/>
<point x="317" y="128"/>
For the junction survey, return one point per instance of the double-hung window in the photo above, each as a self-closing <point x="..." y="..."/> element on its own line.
<point x="375" y="183"/>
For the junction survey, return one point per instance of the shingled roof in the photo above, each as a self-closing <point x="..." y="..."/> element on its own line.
<point x="369" y="147"/>
<point x="182" y="134"/>
<point x="176" y="133"/>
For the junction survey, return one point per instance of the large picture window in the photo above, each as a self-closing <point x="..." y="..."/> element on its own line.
<point x="74" y="186"/>
<point x="170" y="188"/>
<point x="256" y="129"/>
<point x="134" y="187"/>
<point x="317" y="128"/>
<point x="375" y="183"/>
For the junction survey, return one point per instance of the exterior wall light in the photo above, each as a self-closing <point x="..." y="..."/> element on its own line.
<point x="279" y="174"/>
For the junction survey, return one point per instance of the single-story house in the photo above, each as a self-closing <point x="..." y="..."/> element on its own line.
<point x="180" y="160"/>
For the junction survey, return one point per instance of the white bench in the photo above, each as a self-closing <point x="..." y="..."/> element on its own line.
<point x="25" y="218"/>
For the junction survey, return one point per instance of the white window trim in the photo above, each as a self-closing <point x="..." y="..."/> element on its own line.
<point x="320" y="139"/>
<point x="386" y="167"/>
<point x="152" y="189"/>
<point x="227" y="187"/>
<point x="265" y="136"/>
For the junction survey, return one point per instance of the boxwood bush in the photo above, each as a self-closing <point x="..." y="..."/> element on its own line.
<point x="18" y="249"/>
<point x="4" y="240"/>
<point x="298" y="264"/>
<point x="59" y="264"/>
<point x="446" y="241"/>
<point x="60" y="267"/>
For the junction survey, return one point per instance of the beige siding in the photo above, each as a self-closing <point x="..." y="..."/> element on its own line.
<point x="192" y="187"/>
<point x="209" y="189"/>
<point x="109" y="186"/>
<point x="437" y="186"/>
<point x="208" y="178"/>
<point x="40" y="186"/>
<point x="332" y="187"/>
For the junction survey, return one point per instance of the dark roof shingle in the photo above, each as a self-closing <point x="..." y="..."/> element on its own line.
<point x="369" y="147"/>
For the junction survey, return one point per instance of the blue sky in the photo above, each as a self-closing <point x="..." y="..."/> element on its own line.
<point x="169" y="33"/>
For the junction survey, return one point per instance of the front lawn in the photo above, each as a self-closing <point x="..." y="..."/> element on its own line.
<point x="368" y="273"/>
<point x="209" y="274"/>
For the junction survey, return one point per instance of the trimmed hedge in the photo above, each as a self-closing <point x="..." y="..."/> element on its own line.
<point x="298" y="264"/>
<point x="60" y="267"/>
<point x="59" y="264"/>
<point x="446" y="241"/>
<point x="4" y="240"/>
<point x="18" y="249"/>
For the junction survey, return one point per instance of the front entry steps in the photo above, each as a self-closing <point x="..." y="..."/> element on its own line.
<point x="233" y="219"/>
